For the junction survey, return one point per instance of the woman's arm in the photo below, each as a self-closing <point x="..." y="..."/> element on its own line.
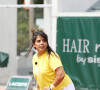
<point x="37" y="87"/>
<point x="59" y="77"/>
<point x="60" y="74"/>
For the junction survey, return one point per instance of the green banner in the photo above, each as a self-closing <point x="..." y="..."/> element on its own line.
<point x="18" y="83"/>
<point x="78" y="44"/>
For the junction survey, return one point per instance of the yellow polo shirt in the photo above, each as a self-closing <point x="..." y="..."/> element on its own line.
<point x="44" y="70"/>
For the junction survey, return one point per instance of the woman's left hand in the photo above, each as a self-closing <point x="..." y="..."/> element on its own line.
<point x="46" y="88"/>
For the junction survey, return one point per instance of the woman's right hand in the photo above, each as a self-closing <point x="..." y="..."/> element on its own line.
<point x="37" y="89"/>
<point x="37" y="85"/>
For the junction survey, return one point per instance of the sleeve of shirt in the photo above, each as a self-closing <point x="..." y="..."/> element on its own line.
<point x="54" y="62"/>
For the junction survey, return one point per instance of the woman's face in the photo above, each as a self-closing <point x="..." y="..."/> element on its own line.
<point x="40" y="44"/>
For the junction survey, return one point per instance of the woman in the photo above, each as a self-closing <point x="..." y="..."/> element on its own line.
<point x="47" y="67"/>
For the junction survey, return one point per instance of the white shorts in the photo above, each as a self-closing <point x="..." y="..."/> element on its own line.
<point x="69" y="87"/>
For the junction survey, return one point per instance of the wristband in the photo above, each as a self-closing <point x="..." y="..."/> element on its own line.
<point x="51" y="86"/>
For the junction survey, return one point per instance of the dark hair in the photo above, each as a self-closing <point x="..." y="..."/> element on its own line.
<point x="38" y="32"/>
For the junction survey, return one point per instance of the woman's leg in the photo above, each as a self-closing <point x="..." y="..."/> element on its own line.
<point x="69" y="87"/>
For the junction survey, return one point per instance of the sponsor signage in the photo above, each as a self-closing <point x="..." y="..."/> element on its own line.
<point x="78" y="44"/>
<point x="18" y="83"/>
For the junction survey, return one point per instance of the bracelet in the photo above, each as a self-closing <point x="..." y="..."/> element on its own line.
<point x="51" y="86"/>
